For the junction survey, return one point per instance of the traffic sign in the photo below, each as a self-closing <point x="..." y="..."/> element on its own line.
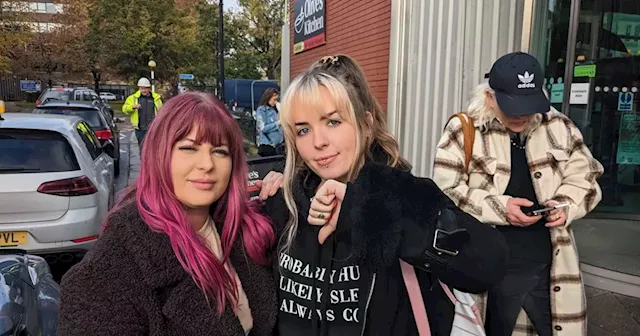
<point x="187" y="76"/>
<point x="29" y="86"/>
<point x="625" y="101"/>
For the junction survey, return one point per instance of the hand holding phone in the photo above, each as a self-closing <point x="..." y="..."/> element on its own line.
<point x="546" y="211"/>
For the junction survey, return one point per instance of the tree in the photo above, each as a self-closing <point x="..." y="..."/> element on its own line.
<point x="15" y="35"/>
<point x="262" y="24"/>
<point x="125" y="35"/>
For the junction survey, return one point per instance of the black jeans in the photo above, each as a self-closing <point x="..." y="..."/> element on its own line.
<point x="526" y="285"/>
<point x="140" y="136"/>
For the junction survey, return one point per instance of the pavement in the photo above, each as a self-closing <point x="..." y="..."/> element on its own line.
<point x="612" y="314"/>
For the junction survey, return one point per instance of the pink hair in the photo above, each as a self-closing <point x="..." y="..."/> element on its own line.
<point x="163" y="212"/>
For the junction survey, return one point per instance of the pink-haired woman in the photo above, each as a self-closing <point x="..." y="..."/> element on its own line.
<point x="183" y="252"/>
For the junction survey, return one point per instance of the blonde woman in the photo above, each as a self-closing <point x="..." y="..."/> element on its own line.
<point x="349" y="209"/>
<point x="526" y="157"/>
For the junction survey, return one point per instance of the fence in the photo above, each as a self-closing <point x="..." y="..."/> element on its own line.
<point x="10" y="90"/>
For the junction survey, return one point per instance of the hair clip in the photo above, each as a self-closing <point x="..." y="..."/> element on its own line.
<point x="325" y="59"/>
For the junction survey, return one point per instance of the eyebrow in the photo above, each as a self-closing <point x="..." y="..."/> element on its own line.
<point x="326" y="116"/>
<point x="193" y="141"/>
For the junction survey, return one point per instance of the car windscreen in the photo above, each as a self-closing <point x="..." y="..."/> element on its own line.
<point x="63" y="95"/>
<point x="90" y="115"/>
<point x="35" y="151"/>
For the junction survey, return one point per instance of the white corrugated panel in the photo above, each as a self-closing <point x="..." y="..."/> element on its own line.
<point x="440" y="50"/>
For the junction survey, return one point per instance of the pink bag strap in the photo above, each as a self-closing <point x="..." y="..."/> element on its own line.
<point x="415" y="296"/>
<point x="448" y="292"/>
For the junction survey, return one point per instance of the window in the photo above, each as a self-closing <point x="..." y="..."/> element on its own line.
<point x="90" y="115"/>
<point x="89" y="139"/>
<point x="35" y="151"/>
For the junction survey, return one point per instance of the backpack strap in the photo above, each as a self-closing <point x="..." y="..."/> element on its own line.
<point x="469" y="134"/>
<point x="415" y="297"/>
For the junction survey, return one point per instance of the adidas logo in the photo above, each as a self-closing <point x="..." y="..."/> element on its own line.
<point x="526" y="80"/>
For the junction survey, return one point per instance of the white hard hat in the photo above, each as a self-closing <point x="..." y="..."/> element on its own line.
<point x="144" y="82"/>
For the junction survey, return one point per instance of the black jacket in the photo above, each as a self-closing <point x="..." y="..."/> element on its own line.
<point x="390" y="214"/>
<point x="132" y="284"/>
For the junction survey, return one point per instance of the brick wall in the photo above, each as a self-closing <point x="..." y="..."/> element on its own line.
<point x="360" y="29"/>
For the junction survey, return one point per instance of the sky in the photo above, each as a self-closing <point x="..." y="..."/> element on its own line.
<point x="230" y="4"/>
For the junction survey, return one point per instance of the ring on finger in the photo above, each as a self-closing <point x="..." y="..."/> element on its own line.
<point x="320" y="216"/>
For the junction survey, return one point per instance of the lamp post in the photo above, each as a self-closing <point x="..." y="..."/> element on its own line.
<point x="221" y="51"/>
<point x="152" y="65"/>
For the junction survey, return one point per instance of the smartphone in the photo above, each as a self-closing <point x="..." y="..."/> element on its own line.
<point x="546" y="210"/>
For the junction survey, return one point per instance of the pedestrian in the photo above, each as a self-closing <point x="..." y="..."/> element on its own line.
<point x="270" y="133"/>
<point x="349" y="209"/>
<point x="142" y="108"/>
<point x="526" y="156"/>
<point x="183" y="251"/>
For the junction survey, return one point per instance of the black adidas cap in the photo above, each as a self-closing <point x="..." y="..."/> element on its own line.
<point x="518" y="80"/>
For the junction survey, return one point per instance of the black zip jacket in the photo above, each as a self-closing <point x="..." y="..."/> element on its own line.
<point x="353" y="281"/>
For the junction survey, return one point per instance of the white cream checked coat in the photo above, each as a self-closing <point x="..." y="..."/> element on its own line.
<point x="562" y="169"/>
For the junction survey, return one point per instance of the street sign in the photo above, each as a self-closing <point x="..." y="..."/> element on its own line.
<point x="29" y="86"/>
<point x="625" y="101"/>
<point x="187" y="76"/>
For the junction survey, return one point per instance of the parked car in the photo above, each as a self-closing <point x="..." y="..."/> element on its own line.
<point x="98" y="118"/>
<point x="56" y="184"/>
<point x="29" y="297"/>
<point x="79" y="93"/>
<point x="108" y="96"/>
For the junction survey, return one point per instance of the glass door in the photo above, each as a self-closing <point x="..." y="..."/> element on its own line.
<point x="604" y="96"/>
<point x="591" y="50"/>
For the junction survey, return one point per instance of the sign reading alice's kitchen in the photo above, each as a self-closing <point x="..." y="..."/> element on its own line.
<point x="308" y="25"/>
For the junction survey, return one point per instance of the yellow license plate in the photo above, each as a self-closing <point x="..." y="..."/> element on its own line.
<point x="12" y="238"/>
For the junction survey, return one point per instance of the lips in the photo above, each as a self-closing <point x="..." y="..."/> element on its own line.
<point x="326" y="160"/>
<point x="203" y="184"/>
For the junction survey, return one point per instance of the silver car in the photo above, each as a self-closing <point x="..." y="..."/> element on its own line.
<point x="56" y="183"/>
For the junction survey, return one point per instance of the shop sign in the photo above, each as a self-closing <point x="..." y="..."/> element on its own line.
<point x="259" y="168"/>
<point x="309" y="24"/>
<point x="629" y="139"/>
<point x="585" y="71"/>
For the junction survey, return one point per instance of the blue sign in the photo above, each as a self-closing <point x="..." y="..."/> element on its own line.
<point x="187" y="76"/>
<point x="625" y="101"/>
<point x="29" y="86"/>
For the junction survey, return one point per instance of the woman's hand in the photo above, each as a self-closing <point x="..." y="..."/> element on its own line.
<point x="555" y="217"/>
<point x="270" y="185"/>
<point x="325" y="208"/>
<point x="515" y="215"/>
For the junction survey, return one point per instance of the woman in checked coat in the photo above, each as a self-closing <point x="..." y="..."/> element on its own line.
<point x="526" y="156"/>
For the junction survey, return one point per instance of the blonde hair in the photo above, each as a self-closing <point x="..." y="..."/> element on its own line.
<point x="478" y="108"/>
<point x="482" y="114"/>
<point x="345" y="83"/>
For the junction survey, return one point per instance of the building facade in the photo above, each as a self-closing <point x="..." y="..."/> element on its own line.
<point x="423" y="58"/>
<point x="39" y="15"/>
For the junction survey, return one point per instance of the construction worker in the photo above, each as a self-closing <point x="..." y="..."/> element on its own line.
<point x="142" y="107"/>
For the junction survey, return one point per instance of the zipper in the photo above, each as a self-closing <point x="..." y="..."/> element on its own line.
<point x="366" y="308"/>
